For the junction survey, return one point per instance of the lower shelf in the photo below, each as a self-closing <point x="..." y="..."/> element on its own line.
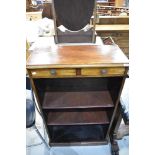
<point x="81" y="133"/>
<point x="81" y="117"/>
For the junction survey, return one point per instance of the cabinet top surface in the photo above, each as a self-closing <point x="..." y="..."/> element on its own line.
<point x="60" y="56"/>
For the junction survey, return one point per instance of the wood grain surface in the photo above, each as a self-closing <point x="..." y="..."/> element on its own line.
<point x="77" y="56"/>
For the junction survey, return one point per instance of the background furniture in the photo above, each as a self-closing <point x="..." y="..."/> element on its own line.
<point x="118" y="28"/>
<point x="112" y="7"/>
<point x="34" y="16"/>
<point x="115" y="26"/>
<point x="66" y="12"/>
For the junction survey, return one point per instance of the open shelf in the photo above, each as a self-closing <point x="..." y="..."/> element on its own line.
<point x="78" y="110"/>
<point x="81" y="133"/>
<point x="77" y="118"/>
<point x="67" y="100"/>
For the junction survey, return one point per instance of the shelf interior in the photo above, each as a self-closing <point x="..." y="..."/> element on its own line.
<point x="81" y="133"/>
<point x="78" y="109"/>
<point x="67" y="100"/>
<point x="65" y="93"/>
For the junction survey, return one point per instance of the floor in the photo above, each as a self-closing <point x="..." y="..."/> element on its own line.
<point x="78" y="150"/>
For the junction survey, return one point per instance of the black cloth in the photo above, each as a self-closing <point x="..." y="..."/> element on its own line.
<point x="74" y="14"/>
<point x="30" y="113"/>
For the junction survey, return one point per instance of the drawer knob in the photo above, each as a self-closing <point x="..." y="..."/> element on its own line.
<point x="53" y="71"/>
<point x="103" y="71"/>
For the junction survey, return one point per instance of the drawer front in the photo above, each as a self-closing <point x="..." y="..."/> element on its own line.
<point x="89" y="72"/>
<point x="103" y="71"/>
<point x="51" y="73"/>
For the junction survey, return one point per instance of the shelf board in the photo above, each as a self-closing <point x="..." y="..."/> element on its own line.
<point x="77" y="118"/>
<point x="69" y="100"/>
<point x="114" y="27"/>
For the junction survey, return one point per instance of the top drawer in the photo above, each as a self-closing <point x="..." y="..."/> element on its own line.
<point x="78" y="72"/>
<point x="107" y="71"/>
<point x="51" y="73"/>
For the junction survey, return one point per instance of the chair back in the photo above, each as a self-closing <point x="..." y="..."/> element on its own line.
<point x="30" y="113"/>
<point x="74" y="15"/>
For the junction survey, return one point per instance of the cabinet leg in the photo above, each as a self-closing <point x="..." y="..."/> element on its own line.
<point x="114" y="145"/>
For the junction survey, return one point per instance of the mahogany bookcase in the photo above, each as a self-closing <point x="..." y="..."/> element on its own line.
<point x="78" y="90"/>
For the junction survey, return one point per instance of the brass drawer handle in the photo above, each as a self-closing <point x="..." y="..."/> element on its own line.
<point x="103" y="71"/>
<point x="53" y="71"/>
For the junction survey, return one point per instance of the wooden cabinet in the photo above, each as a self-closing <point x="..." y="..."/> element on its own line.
<point x="78" y="90"/>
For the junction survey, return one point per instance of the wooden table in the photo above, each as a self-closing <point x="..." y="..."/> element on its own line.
<point x="78" y="90"/>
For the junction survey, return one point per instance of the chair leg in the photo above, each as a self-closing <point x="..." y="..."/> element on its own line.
<point x="41" y="137"/>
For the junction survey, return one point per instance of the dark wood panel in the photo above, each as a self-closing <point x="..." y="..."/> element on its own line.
<point x="47" y="11"/>
<point x="115" y="88"/>
<point x="88" y="99"/>
<point x="85" y="134"/>
<point x="75" y="37"/>
<point x="77" y="118"/>
<point x="72" y="84"/>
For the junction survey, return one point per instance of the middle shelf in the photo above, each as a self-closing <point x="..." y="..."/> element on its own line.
<point x="77" y="118"/>
<point x="70" y="100"/>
